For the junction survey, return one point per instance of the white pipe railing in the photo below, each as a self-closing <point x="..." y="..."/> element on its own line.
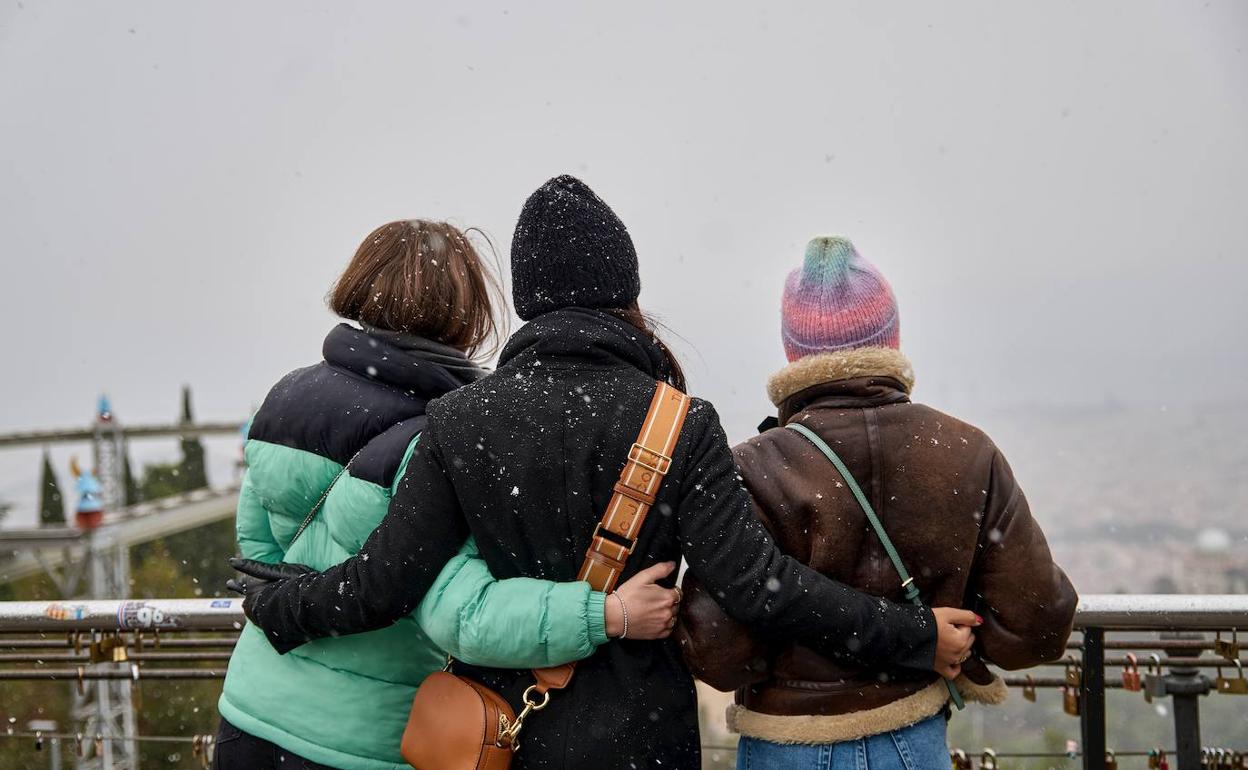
<point x="1112" y="612"/>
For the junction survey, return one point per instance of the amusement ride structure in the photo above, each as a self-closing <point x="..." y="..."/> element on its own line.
<point x="90" y="559"/>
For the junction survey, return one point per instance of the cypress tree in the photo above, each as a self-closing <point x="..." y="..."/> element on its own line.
<point x="51" y="501"/>
<point x="131" y="493"/>
<point x="192" y="471"/>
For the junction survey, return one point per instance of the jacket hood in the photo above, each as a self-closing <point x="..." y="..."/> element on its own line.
<point x="584" y="337"/>
<point x="382" y="360"/>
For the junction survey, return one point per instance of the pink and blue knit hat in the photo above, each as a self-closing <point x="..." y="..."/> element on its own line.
<point x="837" y="300"/>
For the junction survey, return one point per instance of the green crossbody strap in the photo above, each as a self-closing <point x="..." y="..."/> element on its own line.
<point x="907" y="582"/>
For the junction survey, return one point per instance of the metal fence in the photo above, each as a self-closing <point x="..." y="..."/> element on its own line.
<point x="1194" y="652"/>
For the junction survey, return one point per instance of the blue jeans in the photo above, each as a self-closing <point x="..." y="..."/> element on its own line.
<point x="920" y="746"/>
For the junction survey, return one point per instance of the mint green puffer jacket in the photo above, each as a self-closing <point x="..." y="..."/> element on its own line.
<point x="344" y="701"/>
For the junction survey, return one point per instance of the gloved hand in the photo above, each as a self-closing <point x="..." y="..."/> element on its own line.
<point x="258" y="575"/>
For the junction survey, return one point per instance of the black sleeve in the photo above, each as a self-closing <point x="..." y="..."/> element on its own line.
<point x="736" y="559"/>
<point x="388" y="577"/>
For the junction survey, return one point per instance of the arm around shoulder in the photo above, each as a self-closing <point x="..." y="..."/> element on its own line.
<point x="386" y="580"/>
<point x="718" y="650"/>
<point x="511" y="623"/>
<point x="777" y="596"/>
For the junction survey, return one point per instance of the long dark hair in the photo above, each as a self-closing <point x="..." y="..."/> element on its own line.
<point x="634" y="316"/>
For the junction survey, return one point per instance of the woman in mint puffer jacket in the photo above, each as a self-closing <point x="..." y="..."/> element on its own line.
<point x="336" y="437"/>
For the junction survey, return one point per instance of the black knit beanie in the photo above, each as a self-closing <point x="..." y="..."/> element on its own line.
<point x="571" y="250"/>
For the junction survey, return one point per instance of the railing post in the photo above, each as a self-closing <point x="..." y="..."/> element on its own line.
<point x="1186" y="685"/>
<point x="1092" y="695"/>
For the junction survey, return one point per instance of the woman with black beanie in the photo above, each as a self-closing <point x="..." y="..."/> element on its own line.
<point x="526" y="459"/>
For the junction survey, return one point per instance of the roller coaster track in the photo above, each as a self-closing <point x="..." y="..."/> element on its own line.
<point x="26" y="552"/>
<point x="169" y="430"/>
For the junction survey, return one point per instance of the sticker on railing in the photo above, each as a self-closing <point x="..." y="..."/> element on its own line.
<point x="59" y="611"/>
<point x="138" y="614"/>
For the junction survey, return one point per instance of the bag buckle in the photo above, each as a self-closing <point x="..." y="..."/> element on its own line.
<point x="661" y="465"/>
<point x="627" y="543"/>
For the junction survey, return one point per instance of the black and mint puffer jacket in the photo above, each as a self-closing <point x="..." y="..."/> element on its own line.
<point x="344" y="701"/>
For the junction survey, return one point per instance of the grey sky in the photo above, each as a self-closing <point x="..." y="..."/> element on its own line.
<point x="1058" y="191"/>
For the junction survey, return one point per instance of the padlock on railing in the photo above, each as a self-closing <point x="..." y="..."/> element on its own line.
<point x="1232" y="686"/>
<point x="1029" y="689"/>
<point x="1071" y="700"/>
<point x="988" y="760"/>
<point x="1111" y="760"/>
<point x="1228" y="650"/>
<point x="1157" y="759"/>
<point x="959" y="760"/>
<point x="210" y="750"/>
<point x="1154" y="679"/>
<point x="109" y="648"/>
<point x="1131" y="680"/>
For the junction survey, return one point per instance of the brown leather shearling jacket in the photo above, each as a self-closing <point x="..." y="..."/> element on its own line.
<point x="948" y="500"/>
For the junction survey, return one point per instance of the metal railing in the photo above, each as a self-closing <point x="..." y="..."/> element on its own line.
<point x="116" y="639"/>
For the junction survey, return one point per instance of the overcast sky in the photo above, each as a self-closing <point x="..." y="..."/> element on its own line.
<point x="1058" y="191"/>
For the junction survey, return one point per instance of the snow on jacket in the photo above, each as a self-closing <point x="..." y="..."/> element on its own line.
<point x="343" y="702"/>
<point x="525" y="460"/>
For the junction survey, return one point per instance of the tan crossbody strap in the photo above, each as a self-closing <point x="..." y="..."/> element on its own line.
<point x="649" y="460"/>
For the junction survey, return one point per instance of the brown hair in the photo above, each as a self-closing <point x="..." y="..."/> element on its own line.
<point x="633" y="315"/>
<point x="423" y="278"/>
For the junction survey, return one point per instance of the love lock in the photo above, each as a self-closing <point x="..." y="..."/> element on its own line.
<point x="1229" y="686"/>
<point x="988" y="760"/>
<point x="1131" y="680"/>
<point x="1228" y="650"/>
<point x="960" y="760"/>
<point x="1154" y="680"/>
<point x="109" y="648"/>
<point x="1029" y="689"/>
<point x="1071" y="702"/>
<point x="1111" y="760"/>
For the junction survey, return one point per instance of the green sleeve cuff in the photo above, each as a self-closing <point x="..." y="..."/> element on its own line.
<point x="595" y="607"/>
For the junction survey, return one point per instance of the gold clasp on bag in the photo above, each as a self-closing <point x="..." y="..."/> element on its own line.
<point x="508" y="736"/>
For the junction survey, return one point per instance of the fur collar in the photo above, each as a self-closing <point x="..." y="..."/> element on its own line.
<point x="809" y="371"/>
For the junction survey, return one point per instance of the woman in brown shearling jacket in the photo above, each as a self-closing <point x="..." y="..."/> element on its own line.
<point x="947" y="499"/>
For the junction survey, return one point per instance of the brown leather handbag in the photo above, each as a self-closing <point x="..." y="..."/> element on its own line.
<point x="459" y="724"/>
